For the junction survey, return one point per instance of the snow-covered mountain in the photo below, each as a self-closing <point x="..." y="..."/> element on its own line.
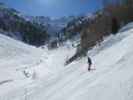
<point x="29" y="73"/>
<point x="53" y="26"/>
<point x="27" y="28"/>
<point x="13" y="24"/>
<point x="76" y="25"/>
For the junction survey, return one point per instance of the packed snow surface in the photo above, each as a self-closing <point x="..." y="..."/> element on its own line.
<point x="29" y="73"/>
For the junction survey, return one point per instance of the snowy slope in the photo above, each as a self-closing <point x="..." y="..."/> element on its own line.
<point x="15" y="58"/>
<point x="112" y="79"/>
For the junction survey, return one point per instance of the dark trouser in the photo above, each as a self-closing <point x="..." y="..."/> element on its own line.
<point x="89" y="67"/>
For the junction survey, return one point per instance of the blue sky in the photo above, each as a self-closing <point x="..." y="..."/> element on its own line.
<point x="54" y="8"/>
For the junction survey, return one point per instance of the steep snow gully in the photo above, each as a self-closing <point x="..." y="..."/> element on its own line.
<point x="29" y="73"/>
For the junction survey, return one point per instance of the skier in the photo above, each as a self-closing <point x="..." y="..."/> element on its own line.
<point x="89" y="63"/>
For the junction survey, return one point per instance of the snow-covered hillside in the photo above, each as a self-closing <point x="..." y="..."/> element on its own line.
<point x="111" y="79"/>
<point x="16" y="61"/>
